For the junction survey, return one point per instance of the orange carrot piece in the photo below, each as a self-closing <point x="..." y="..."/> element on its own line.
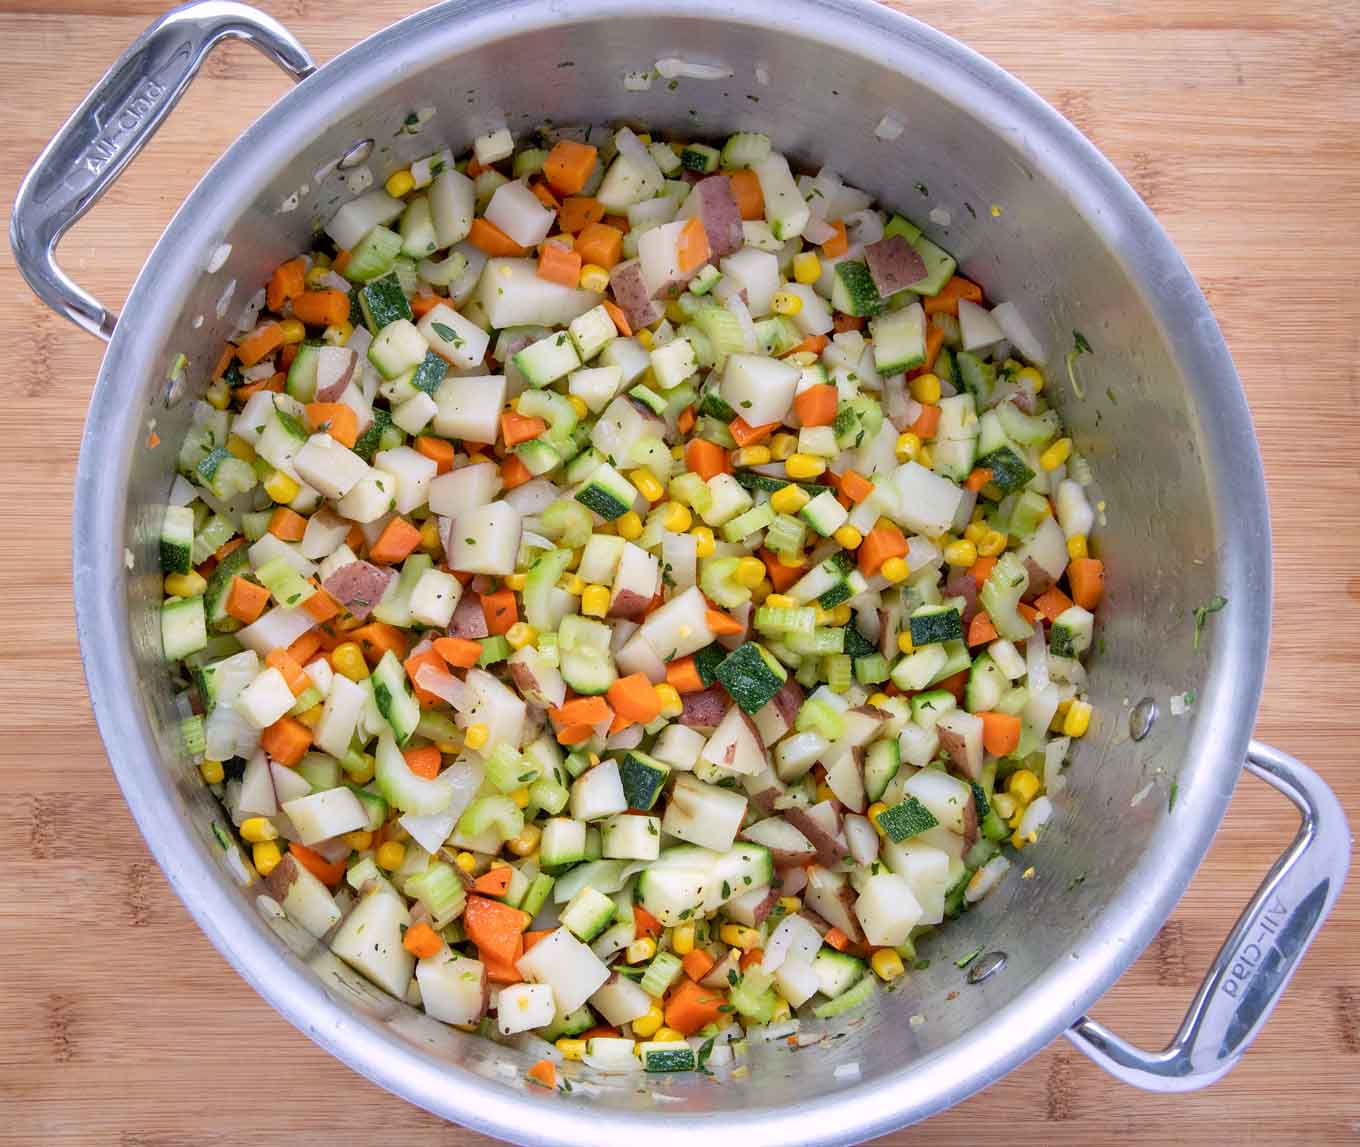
<point x="839" y="243"/>
<point x="413" y="665"/>
<point x="934" y="341"/>
<point x="575" y="734"/>
<point x="697" y="964"/>
<point x="723" y="625"/>
<point x="322" y="308"/>
<point x="837" y="939"/>
<point x="1086" y="578"/>
<point x="578" y="212"/>
<point x="644" y="923"/>
<point x="421" y="940"/>
<point x="978" y="477"/>
<point x="691" y="1006"/>
<point x="686" y="420"/>
<point x="500" y="611"/>
<point x="287" y="525"/>
<point x="517" y="428"/>
<point x="494" y="882"/>
<point x="746" y="190"/>
<point x="328" y="872"/>
<point x="855" y="485"/>
<point x="376" y="638"/>
<point x="1052" y="602"/>
<point x="286" y="740"/>
<point x="336" y="419"/>
<point x="600" y="244"/>
<point x="495" y="928"/>
<point x="634" y="699"/>
<point x="884" y="541"/>
<point x="814" y="344"/>
<point x="293" y="673"/>
<point x="927" y="422"/>
<point x="982" y="570"/>
<point x="569" y="165"/>
<point x="744" y="434"/>
<point x="246" y="600"/>
<point x="1000" y="733"/>
<point x="422" y="305"/>
<point x="439" y="451"/>
<point x="981" y="631"/>
<point x="558" y="265"/>
<point x="754" y="956"/>
<point x="304" y="648"/>
<point x="225" y="361"/>
<point x="287" y="282"/>
<point x="504" y="971"/>
<point x="395" y="543"/>
<point x="341" y="261"/>
<point x="514" y="472"/>
<point x="691" y="249"/>
<point x="705" y="458"/>
<point x="545" y="1073"/>
<point x="458" y="652"/>
<point x="781" y="576"/>
<point x="543" y="193"/>
<point x="947" y="301"/>
<point x="532" y="938"/>
<point x="321" y="607"/>
<point x="816" y="406"/>
<point x="620" y="319"/>
<point x="260" y="342"/>
<point x="581" y="711"/>
<point x="491" y="240"/>
<point x="683" y="676"/>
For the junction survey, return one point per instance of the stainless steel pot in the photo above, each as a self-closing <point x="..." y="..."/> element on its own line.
<point x="1164" y="421"/>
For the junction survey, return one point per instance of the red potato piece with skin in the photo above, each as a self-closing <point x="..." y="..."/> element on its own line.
<point x="705" y="709"/>
<point x="788" y="844"/>
<point x="893" y="264"/>
<point x="629" y="605"/>
<point x="963" y="584"/>
<point x="788" y="701"/>
<point x="330" y="389"/>
<point x="766" y="906"/>
<point x="359" y="586"/>
<point x="630" y="292"/>
<point x="1039" y="579"/>
<point x="970" y="823"/>
<point x="468" y="619"/>
<point x="720" y="214"/>
<point x="830" y="850"/>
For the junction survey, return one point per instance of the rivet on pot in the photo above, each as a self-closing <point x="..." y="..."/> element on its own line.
<point x="357" y="153"/>
<point x="1141" y="718"/>
<point x="986" y="965"/>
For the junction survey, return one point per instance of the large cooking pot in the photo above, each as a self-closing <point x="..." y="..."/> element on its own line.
<point x="1163" y="420"/>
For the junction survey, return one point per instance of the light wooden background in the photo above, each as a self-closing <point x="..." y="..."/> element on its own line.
<point x="1237" y="120"/>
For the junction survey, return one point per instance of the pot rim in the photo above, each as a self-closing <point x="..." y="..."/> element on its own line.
<point x="1223" y="719"/>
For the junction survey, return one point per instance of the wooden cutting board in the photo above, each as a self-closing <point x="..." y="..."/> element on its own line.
<point x="1238" y="122"/>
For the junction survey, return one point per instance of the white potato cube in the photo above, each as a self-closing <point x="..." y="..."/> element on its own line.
<point x="373" y="497"/>
<point x="412" y="472"/>
<point x="327" y="466"/>
<point x="486" y="539"/>
<point x="434" y="598"/>
<point x="265" y="699"/>
<point x="415" y="413"/>
<point x="520" y="1007"/>
<point x="454" y="337"/>
<point x="470" y="407"/>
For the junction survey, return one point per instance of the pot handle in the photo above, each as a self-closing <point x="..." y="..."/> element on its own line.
<point x="1249" y="974"/>
<point x="113" y="124"/>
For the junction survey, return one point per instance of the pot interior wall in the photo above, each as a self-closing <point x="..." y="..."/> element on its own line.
<point x="1139" y="424"/>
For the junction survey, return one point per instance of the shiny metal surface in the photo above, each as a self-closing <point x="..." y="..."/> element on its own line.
<point x="1249" y="974"/>
<point x="1163" y="421"/>
<point x="112" y="125"/>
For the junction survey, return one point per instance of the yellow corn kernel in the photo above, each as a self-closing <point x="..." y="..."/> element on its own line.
<point x="218" y="394"/>
<point x="281" y="488"/>
<point x="803" y="467"/>
<point x="362" y="772"/>
<point x="682" y="942"/>
<point x="1023" y="785"/>
<point x="904" y="642"/>
<point x="667" y="1035"/>
<point x="874" y="811"/>
<point x="640" y="950"/>
<point x="750" y="572"/>
<point x="669" y="696"/>
<point x="976" y="532"/>
<point x="521" y="797"/>
<point x="257" y="829"/>
<point x="339" y="334"/>
<point x="781" y="601"/>
<point x="474" y="737"/>
<point x="574" y="584"/>
<point x="961" y="554"/>
<point x="571" y="1049"/>
<point x="908" y="446"/>
<point x="781" y="446"/>
<point x="212" y="772"/>
<point x="676" y="518"/>
<point x="887" y="964"/>
<point x="348" y="660"/>
<point x="238" y="447"/>
<point x="786" y="303"/>
<point x="292" y="331"/>
<point x="807" y="268"/>
<point x="400" y="183"/>
<point x="525" y="843"/>
<point x="926" y="388"/>
<point x="266" y="857"/>
<point x="1078" y="719"/>
<point x="992" y="544"/>
<point x="315" y="277"/>
<point x="465" y="862"/>
<point x="647" y="484"/>
<point x="841" y="614"/>
<point x="782" y="1011"/>
<point x="361" y="840"/>
<point x="311" y="717"/>
<point x="739" y="936"/>
<point x="791" y="903"/>
<point x="926" y="458"/>
<point x="594" y="277"/>
<point x="391" y="855"/>
<point x="789" y="500"/>
<point x="878" y="700"/>
<point x="801" y="358"/>
<point x="192" y="584"/>
<point x="848" y="538"/>
<point x="752" y="456"/>
<point x="704" y="543"/>
<point x="824" y="793"/>
<point x="1032" y="376"/>
<point x="895" y="570"/>
<point x="429" y="536"/>
<point x="578" y="404"/>
<point x="515" y="581"/>
<point x="629" y="526"/>
<point x="644" y="336"/>
<point x="1059" y="716"/>
<point x="675" y="314"/>
<point x="595" y="601"/>
<point x="521" y="634"/>
<point x="1056" y="454"/>
<point x="1077" y="547"/>
<point x="648" y="1025"/>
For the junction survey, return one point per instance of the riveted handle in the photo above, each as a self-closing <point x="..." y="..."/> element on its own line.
<point x="113" y="124"/>
<point x="1249" y="974"/>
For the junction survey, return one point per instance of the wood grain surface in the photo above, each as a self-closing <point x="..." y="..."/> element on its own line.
<point x="1237" y="120"/>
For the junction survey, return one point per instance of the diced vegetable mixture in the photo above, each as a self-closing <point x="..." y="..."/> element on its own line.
<point x="628" y="592"/>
